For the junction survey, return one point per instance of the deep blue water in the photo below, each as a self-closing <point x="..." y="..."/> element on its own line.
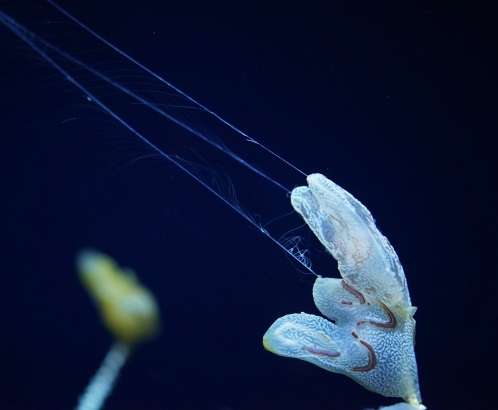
<point x="395" y="103"/>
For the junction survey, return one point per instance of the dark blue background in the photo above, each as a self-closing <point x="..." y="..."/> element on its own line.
<point x="396" y="103"/>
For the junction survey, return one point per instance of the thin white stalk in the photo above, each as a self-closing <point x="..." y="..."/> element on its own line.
<point x="102" y="383"/>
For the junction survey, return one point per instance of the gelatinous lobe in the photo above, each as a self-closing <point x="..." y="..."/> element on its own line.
<point x="371" y="336"/>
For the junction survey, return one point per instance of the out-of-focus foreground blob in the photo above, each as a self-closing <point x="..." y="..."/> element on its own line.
<point x="371" y="338"/>
<point x="128" y="310"/>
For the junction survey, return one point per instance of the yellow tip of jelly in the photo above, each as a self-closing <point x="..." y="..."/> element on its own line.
<point x="128" y="309"/>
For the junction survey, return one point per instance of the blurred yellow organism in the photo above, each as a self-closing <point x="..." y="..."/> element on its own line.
<point x="128" y="310"/>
